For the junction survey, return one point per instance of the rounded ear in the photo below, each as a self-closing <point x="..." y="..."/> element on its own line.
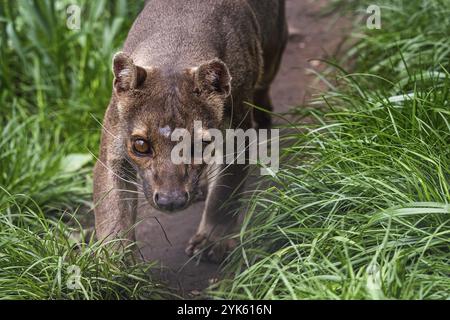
<point x="213" y="77"/>
<point x="127" y="75"/>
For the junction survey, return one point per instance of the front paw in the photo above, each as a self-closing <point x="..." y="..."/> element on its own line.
<point x="211" y="248"/>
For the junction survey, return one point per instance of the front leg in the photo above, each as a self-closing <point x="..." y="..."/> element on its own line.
<point x="115" y="202"/>
<point x="220" y="216"/>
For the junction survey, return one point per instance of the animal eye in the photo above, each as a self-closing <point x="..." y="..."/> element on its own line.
<point x="141" y="147"/>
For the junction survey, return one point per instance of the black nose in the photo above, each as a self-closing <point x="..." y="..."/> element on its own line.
<point x="171" y="201"/>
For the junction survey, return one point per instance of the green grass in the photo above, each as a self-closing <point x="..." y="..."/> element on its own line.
<point x="40" y="260"/>
<point x="61" y="75"/>
<point x="55" y="83"/>
<point x="360" y="208"/>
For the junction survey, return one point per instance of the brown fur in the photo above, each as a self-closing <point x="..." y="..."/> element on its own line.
<point x="185" y="61"/>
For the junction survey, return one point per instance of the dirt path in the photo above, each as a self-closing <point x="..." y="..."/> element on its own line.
<point x="311" y="36"/>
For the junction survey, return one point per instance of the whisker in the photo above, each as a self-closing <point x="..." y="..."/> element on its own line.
<point x="131" y="191"/>
<point x="114" y="173"/>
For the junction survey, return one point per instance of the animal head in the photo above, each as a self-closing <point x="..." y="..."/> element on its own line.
<point x="152" y="103"/>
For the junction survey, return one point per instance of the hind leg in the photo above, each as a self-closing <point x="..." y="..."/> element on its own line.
<point x="262" y="118"/>
<point x="272" y="61"/>
<point x="272" y="54"/>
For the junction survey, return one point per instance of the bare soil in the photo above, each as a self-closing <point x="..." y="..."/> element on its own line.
<point x="163" y="237"/>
